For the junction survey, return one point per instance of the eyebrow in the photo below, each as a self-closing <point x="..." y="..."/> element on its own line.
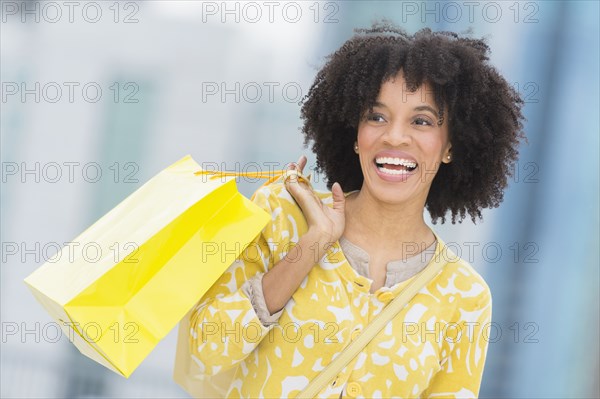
<point x="426" y="108"/>
<point x="419" y="108"/>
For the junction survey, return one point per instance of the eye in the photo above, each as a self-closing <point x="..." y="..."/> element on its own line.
<point x="374" y="117"/>
<point x="423" y="122"/>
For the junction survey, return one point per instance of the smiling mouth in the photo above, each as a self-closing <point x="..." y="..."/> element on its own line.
<point x="395" y="166"/>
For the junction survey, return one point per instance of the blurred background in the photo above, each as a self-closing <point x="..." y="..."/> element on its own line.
<point x="98" y="97"/>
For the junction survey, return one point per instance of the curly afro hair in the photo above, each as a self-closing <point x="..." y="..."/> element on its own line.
<point x="484" y="112"/>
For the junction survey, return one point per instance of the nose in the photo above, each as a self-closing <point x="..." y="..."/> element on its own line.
<point x="397" y="135"/>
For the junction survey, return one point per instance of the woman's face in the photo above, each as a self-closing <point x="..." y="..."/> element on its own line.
<point x="400" y="144"/>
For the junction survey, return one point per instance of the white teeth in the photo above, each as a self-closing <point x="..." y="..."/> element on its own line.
<point x="393" y="171"/>
<point x="396" y="161"/>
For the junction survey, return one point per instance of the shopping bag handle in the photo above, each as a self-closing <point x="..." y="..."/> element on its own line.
<point x="271" y="176"/>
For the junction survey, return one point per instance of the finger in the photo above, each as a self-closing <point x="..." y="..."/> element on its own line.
<point x="339" y="199"/>
<point x="297" y="166"/>
<point x="302" y="163"/>
<point x="308" y="201"/>
<point x="291" y="177"/>
<point x="295" y="184"/>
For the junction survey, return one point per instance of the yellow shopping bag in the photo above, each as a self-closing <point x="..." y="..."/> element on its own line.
<point x="160" y="251"/>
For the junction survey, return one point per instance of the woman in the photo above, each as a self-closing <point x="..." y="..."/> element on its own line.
<point x="398" y="123"/>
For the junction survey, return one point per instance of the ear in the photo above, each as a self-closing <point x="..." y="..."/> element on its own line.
<point x="447" y="158"/>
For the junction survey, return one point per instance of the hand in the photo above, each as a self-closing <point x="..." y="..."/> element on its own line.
<point x="325" y="223"/>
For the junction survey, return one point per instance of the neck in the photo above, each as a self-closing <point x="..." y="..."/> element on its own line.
<point x="386" y="227"/>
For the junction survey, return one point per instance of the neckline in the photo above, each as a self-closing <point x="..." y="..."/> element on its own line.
<point x="352" y="276"/>
<point x="364" y="254"/>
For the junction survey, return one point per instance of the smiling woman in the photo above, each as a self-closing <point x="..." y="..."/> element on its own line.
<point x="400" y="140"/>
<point x="398" y="123"/>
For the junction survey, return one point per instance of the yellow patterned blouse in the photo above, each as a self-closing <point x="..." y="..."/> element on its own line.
<point x="435" y="347"/>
